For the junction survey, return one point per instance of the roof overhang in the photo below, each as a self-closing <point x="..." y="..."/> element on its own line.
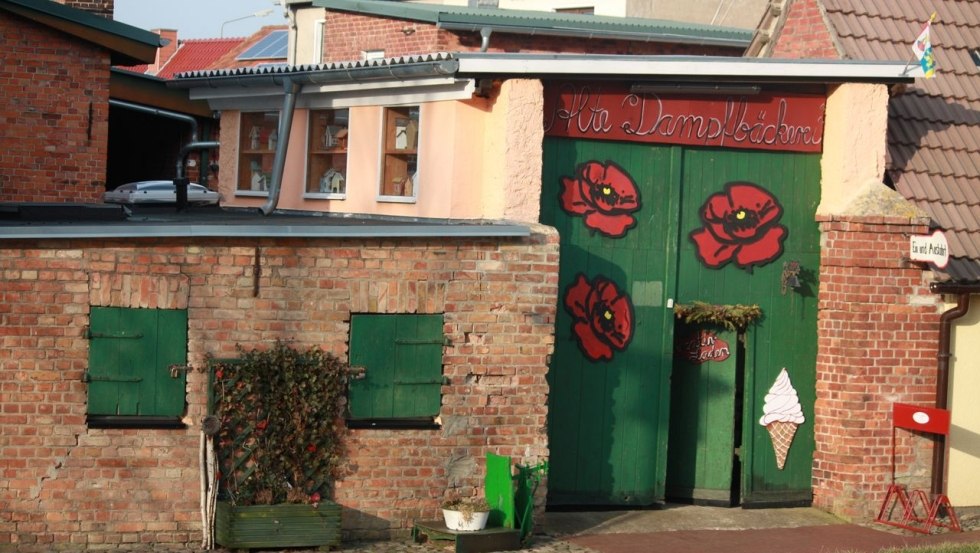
<point x="443" y="76"/>
<point x="148" y="90"/>
<point x="686" y="68"/>
<point x="127" y="45"/>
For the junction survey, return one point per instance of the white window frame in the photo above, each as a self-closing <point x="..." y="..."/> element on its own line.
<point x="381" y="159"/>
<point x="306" y="171"/>
<point x="319" y="27"/>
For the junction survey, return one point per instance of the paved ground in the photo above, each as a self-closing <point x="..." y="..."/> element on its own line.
<point x="692" y="529"/>
<point x="695" y="529"/>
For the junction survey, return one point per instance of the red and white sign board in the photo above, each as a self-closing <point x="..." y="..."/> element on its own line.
<point x="610" y="111"/>
<point x="930" y="249"/>
<point x="922" y="419"/>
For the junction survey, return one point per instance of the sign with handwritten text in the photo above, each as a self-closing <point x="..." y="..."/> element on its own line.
<point x="930" y="249"/>
<point x="702" y="346"/>
<point x="762" y="121"/>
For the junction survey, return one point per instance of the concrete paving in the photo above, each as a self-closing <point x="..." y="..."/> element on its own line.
<point x="697" y="529"/>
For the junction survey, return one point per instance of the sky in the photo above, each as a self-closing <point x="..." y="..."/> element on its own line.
<point x="199" y="18"/>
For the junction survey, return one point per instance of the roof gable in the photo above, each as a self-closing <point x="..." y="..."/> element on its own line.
<point x="127" y="44"/>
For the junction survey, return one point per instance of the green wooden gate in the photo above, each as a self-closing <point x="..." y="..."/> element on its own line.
<point x="610" y="418"/>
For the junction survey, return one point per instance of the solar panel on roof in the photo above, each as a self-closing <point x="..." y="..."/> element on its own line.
<point x="273" y="45"/>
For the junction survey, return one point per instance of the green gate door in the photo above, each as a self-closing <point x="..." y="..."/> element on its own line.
<point x="609" y="407"/>
<point x="704" y="415"/>
<point x="610" y="418"/>
<point x="786" y="336"/>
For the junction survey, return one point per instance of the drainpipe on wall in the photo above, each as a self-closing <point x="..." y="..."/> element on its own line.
<point x="292" y="89"/>
<point x="161" y="113"/>
<point x="485" y="33"/>
<point x="942" y="378"/>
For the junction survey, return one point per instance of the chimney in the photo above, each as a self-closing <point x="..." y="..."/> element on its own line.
<point x="104" y="8"/>
<point x="165" y="52"/>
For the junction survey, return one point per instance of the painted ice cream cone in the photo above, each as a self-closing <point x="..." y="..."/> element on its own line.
<point x="781" y="434"/>
<point x="782" y="416"/>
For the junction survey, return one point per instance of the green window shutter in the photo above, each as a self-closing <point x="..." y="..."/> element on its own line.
<point x="130" y="354"/>
<point x="402" y="357"/>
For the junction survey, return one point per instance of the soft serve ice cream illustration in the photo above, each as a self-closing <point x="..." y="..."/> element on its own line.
<point x="782" y="415"/>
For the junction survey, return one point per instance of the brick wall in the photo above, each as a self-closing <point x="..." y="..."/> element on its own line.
<point x="105" y="8"/>
<point x="68" y="484"/>
<point x="54" y="98"/>
<point x="878" y="332"/>
<point x="805" y="33"/>
<point x="348" y="35"/>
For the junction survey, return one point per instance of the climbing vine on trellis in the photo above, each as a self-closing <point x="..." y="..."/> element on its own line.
<point x="282" y="428"/>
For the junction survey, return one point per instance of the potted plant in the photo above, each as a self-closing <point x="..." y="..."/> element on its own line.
<point x="279" y="446"/>
<point x="465" y="515"/>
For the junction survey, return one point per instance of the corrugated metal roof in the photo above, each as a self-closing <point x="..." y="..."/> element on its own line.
<point x="471" y="64"/>
<point x="308" y="68"/>
<point x="538" y="22"/>
<point x="934" y="135"/>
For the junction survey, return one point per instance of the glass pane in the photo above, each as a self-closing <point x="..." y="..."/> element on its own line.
<point x="259" y="134"/>
<point x="400" y="170"/>
<point x="327" y="164"/>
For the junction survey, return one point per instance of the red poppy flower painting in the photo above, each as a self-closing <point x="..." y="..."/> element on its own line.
<point x="603" y="316"/>
<point x="741" y="224"/>
<point x="604" y="195"/>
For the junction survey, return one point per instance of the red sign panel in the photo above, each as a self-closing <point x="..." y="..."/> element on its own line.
<point x="754" y="121"/>
<point x="923" y="419"/>
<point x="702" y="346"/>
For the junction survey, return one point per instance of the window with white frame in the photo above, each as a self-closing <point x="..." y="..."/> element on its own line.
<point x="318" y="28"/>
<point x="399" y="156"/>
<point x="259" y="136"/>
<point x="326" y="171"/>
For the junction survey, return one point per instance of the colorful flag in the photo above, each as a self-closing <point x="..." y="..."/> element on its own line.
<point x="923" y="49"/>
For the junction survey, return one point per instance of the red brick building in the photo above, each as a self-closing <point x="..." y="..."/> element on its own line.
<point x="56" y="61"/>
<point x="882" y="339"/>
<point x="81" y="479"/>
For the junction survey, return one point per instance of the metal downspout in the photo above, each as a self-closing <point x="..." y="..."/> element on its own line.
<point x="279" y="161"/>
<point x="485" y="33"/>
<point x="942" y="385"/>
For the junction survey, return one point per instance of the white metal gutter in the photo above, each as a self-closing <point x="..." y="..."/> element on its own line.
<point x="686" y="67"/>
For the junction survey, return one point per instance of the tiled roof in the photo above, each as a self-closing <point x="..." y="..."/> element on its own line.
<point x="196" y="54"/>
<point x="934" y="127"/>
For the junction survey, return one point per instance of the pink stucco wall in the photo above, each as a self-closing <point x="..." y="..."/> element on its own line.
<point x="478" y="159"/>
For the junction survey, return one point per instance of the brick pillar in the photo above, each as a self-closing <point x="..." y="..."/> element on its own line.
<point x="878" y="331"/>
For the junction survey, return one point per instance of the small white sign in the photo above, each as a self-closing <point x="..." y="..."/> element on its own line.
<point x="931" y="249"/>
<point x="920" y="417"/>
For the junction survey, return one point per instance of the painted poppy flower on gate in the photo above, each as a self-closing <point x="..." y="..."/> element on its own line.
<point x="603" y="316"/>
<point x="741" y="224"/>
<point x="604" y="195"/>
